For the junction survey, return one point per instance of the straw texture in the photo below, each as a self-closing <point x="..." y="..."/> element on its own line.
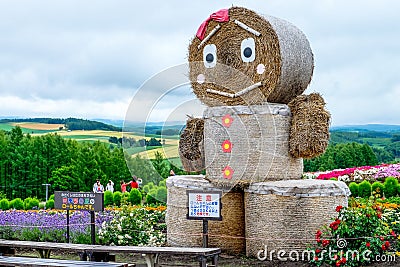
<point x="259" y="137"/>
<point x="288" y="222"/>
<point x="227" y="234"/>
<point x="281" y="48"/>
<point x="309" y="132"/>
<point x="191" y="149"/>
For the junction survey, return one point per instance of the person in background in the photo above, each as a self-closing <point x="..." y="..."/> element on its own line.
<point x="134" y="182"/>
<point x="110" y="186"/>
<point x="123" y="186"/>
<point x="171" y="172"/>
<point x="98" y="187"/>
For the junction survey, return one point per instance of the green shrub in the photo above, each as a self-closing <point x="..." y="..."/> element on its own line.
<point x="50" y="204"/>
<point x="151" y="197"/>
<point x="33" y="204"/>
<point x="364" y="189"/>
<point x="161" y="195"/>
<point x="4" y="204"/>
<point x="26" y="203"/>
<point x="17" y="204"/>
<point x="148" y="187"/>
<point x="163" y="183"/>
<point x="117" y="197"/>
<point x="41" y="206"/>
<point x="353" y="186"/>
<point x="377" y="189"/>
<point x="108" y="198"/>
<point x="390" y="187"/>
<point x="135" y="197"/>
<point x="51" y="197"/>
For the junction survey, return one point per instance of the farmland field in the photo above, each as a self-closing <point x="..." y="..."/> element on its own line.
<point x="169" y="150"/>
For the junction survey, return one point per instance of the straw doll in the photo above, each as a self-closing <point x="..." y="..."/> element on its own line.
<point x="250" y="71"/>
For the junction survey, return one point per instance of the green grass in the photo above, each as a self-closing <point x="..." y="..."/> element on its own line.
<point x="377" y="142"/>
<point x="82" y="136"/>
<point x="8" y="127"/>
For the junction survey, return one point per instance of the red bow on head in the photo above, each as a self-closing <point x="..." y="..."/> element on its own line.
<point x="220" y="16"/>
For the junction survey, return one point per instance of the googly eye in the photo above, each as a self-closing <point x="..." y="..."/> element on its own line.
<point x="210" y="56"/>
<point x="248" y="50"/>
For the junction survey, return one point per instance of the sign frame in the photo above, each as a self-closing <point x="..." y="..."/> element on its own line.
<point x="88" y="201"/>
<point x="204" y="192"/>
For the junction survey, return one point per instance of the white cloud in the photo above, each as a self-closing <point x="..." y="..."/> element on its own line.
<point x="92" y="55"/>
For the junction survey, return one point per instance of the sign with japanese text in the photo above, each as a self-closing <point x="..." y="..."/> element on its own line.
<point x="89" y="201"/>
<point x="204" y="205"/>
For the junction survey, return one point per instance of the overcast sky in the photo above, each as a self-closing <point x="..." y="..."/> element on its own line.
<point x="87" y="59"/>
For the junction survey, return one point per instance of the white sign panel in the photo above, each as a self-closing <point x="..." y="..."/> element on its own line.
<point x="204" y="205"/>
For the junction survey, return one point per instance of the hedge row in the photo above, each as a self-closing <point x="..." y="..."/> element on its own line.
<point x="390" y="188"/>
<point x="151" y="194"/>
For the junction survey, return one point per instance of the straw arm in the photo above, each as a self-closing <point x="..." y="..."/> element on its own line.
<point x="191" y="147"/>
<point x="309" y="130"/>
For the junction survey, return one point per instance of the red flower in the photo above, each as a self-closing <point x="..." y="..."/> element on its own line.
<point x="379" y="215"/>
<point x="317" y="251"/>
<point x="338" y="208"/>
<point x="393" y="233"/>
<point x="368" y="215"/>
<point x="318" y="240"/>
<point x="343" y="260"/>
<point x="368" y="244"/>
<point x="387" y="244"/>
<point x="335" y="225"/>
<point x="226" y="146"/>
<point x="325" y="242"/>
<point x="381" y="238"/>
<point x="227" y="120"/>
<point x="228" y="172"/>
<point x="383" y="247"/>
<point x="338" y="263"/>
<point x="316" y="258"/>
<point x="318" y="234"/>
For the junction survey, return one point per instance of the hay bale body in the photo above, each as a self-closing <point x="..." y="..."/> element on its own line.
<point x="191" y="149"/>
<point x="259" y="138"/>
<point x="281" y="47"/>
<point x="309" y="132"/>
<point x="286" y="214"/>
<point x="227" y="234"/>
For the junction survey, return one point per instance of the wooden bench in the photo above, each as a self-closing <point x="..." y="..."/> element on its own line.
<point x="101" y="253"/>
<point x="151" y="254"/>
<point x="28" y="262"/>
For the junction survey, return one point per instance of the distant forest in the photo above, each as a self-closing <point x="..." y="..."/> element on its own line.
<point x="357" y="147"/>
<point x="70" y="123"/>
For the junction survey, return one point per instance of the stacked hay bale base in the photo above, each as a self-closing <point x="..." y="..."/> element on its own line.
<point x="252" y="141"/>
<point x="285" y="215"/>
<point x="227" y="234"/>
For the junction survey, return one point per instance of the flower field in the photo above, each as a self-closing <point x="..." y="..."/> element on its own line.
<point x="124" y="226"/>
<point x="358" y="174"/>
<point x="367" y="231"/>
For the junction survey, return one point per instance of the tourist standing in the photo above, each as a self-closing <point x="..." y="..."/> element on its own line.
<point x="98" y="187"/>
<point x="110" y="186"/>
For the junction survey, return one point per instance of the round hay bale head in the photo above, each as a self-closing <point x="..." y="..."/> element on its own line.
<point x="247" y="144"/>
<point x="227" y="234"/>
<point x="265" y="49"/>
<point x="284" y="215"/>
